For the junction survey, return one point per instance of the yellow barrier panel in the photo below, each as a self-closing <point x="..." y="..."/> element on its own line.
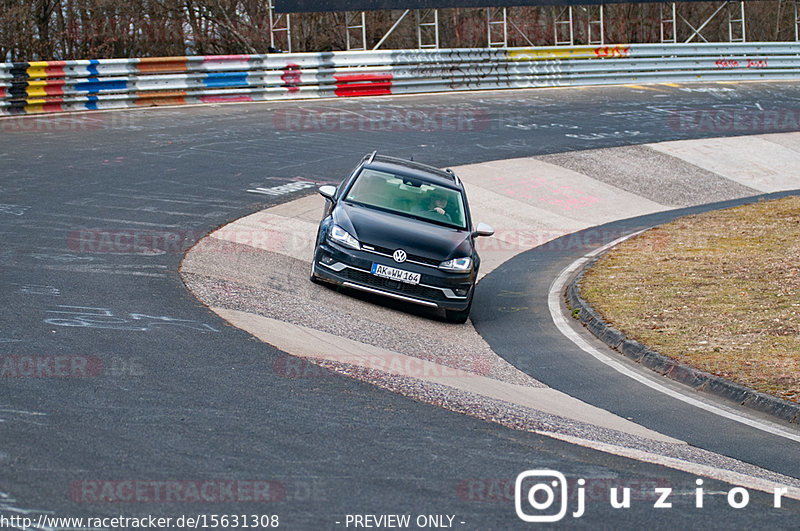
<point x="572" y="52"/>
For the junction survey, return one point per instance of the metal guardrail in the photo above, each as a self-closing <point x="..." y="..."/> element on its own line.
<point x="58" y="86"/>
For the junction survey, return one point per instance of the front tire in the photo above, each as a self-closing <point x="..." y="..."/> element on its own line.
<point x="458" y="316"/>
<point x="313" y="276"/>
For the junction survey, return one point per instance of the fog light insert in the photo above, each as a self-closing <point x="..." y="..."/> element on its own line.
<point x="327" y="259"/>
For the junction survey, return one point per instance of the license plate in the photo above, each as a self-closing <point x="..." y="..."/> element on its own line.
<point x="395" y="274"/>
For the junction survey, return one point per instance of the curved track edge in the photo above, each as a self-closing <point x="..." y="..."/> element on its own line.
<point x="666" y="366"/>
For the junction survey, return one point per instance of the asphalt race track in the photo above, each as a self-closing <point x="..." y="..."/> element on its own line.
<point x="153" y="405"/>
<point x="538" y="348"/>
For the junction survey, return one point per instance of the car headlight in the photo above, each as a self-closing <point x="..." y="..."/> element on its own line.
<point x="458" y="265"/>
<point x="339" y="235"/>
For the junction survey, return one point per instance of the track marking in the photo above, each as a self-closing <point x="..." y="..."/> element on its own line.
<point x="283" y="189"/>
<point x="553" y="303"/>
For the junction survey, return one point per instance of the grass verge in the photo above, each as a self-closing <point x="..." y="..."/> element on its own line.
<point x="719" y="291"/>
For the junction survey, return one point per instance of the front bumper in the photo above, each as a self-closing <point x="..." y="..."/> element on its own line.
<point x="351" y="268"/>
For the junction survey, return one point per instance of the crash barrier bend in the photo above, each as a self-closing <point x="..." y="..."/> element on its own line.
<point x="58" y="86"/>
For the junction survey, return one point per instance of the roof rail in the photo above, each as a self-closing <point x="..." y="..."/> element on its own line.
<point x="372" y="157"/>
<point x="455" y="177"/>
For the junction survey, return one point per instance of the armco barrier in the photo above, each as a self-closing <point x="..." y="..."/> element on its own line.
<point x="56" y="86"/>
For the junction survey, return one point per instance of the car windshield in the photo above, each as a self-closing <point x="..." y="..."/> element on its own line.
<point x="409" y="196"/>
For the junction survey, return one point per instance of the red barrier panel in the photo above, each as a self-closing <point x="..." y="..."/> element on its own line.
<point x="371" y="84"/>
<point x="161" y="65"/>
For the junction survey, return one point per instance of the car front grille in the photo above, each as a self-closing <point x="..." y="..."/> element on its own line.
<point x="409" y="290"/>
<point x="411" y="257"/>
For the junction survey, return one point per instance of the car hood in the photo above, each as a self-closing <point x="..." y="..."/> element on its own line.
<point x="393" y="231"/>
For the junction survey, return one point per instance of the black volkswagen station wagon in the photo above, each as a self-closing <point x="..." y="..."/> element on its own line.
<point x="400" y="229"/>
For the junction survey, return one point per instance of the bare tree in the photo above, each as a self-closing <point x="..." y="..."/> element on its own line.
<point x="74" y="29"/>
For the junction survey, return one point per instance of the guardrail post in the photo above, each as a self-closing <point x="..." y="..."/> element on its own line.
<point x="424" y="27"/>
<point x="496" y="17"/>
<point x="275" y="27"/>
<point x="668" y="26"/>
<point x="735" y="19"/>
<point x="797" y="20"/>
<point x="559" y="22"/>
<point x="594" y="25"/>
<point x="358" y="24"/>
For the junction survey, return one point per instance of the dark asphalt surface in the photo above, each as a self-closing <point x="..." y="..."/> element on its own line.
<point x="532" y="343"/>
<point x="184" y="398"/>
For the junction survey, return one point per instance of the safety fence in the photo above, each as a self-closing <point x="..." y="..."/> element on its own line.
<point x="57" y="86"/>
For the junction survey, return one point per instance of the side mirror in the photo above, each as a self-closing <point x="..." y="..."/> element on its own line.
<point x="327" y="191"/>
<point x="483" y="230"/>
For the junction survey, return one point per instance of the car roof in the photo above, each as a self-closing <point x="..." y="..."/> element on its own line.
<point x="413" y="169"/>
